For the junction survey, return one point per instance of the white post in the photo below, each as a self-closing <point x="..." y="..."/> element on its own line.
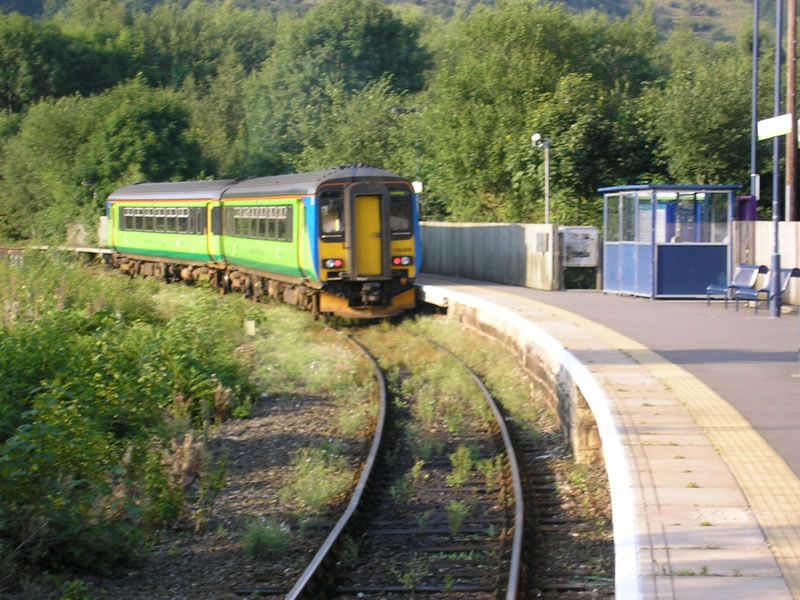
<point x="547" y="182"/>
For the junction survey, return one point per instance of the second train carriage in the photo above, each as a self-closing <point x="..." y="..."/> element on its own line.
<point x="344" y="241"/>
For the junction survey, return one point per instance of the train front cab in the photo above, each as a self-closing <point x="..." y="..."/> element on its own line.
<point x="367" y="248"/>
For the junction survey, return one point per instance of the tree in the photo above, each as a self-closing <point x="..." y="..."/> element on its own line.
<point x="359" y="128"/>
<point x="340" y="44"/>
<point x="49" y="137"/>
<point x="142" y="134"/>
<point x="82" y="149"/>
<point x="513" y="70"/>
<point x="176" y="41"/>
<point x="703" y="128"/>
<point x="37" y="60"/>
<point x="217" y="114"/>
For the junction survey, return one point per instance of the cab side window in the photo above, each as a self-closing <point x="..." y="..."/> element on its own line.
<point x="331" y="215"/>
<point x="401" y="214"/>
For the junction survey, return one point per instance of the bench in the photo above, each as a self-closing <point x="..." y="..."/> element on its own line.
<point x="744" y="277"/>
<point x="763" y="293"/>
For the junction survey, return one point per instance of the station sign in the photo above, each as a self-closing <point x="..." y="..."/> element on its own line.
<point x="775" y="126"/>
<point x="581" y="246"/>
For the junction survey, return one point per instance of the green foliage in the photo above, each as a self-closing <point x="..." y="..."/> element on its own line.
<point x="38" y="60"/>
<point x="463" y="464"/>
<point x="703" y="133"/>
<point x="413" y="572"/>
<point x="318" y="479"/>
<point x="85" y="148"/>
<point x="266" y="539"/>
<point x="516" y="69"/>
<point x="217" y="114"/>
<point x="492" y="469"/>
<point x="182" y="39"/>
<point x="85" y="457"/>
<point x="457" y="513"/>
<point x="341" y="46"/>
<point x="256" y="87"/>
<point x="443" y="394"/>
<point x="297" y="358"/>
<point x="357" y="128"/>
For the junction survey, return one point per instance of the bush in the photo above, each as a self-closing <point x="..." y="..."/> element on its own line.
<point x="89" y="367"/>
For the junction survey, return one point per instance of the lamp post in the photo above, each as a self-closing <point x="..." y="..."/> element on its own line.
<point x="538" y="142"/>
<point x="775" y="266"/>
<point x="755" y="186"/>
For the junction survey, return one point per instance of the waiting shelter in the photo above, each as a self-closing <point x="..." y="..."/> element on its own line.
<point x="666" y="241"/>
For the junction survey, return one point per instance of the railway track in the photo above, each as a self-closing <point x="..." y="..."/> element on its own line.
<point x="438" y="509"/>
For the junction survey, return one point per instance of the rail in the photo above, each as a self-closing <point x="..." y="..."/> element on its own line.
<point x="515" y="568"/>
<point x="310" y="579"/>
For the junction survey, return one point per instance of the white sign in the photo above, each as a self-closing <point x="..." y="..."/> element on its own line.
<point x="580" y="247"/>
<point x="770" y="128"/>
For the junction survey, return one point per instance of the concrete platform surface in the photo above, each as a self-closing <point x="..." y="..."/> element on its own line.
<point x="698" y="410"/>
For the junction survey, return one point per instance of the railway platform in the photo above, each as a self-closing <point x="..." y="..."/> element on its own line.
<point x="698" y="412"/>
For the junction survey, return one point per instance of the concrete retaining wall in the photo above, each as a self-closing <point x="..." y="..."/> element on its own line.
<point x="544" y="359"/>
<point x="515" y="254"/>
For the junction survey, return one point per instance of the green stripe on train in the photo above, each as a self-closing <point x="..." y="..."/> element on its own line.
<point x="164" y="253"/>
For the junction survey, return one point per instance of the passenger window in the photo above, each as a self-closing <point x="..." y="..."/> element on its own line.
<point x="183" y="220"/>
<point x="148" y="219"/>
<point x="159" y="219"/>
<point x="169" y="220"/>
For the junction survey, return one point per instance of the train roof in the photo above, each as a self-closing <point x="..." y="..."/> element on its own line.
<point x="302" y="184"/>
<point x="175" y="190"/>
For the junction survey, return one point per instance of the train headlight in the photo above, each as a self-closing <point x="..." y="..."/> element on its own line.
<point x="333" y="263"/>
<point x="402" y="261"/>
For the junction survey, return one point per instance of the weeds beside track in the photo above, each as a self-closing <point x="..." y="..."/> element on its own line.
<point x="444" y="511"/>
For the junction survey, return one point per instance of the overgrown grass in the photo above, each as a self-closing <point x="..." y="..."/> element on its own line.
<point x="439" y="391"/>
<point x="300" y="357"/>
<point x="318" y="478"/>
<point x="496" y="366"/>
<point x="267" y="539"/>
<point x="108" y="388"/>
<point x="457" y="513"/>
<point x="100" y="378"/>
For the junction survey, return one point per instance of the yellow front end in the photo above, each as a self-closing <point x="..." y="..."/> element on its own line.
<point x="337" y="305"/>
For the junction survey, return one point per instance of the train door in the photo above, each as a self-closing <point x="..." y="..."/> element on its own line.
<point x="368" y="245"/>
<point x="214" y="230"/>
<point x="368" y="235"/>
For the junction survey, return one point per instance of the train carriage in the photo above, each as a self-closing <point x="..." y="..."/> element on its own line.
<point x="343" y="241"/>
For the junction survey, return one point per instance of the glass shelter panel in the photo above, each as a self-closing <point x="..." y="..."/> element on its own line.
<point x="644" y="218"/>
<point x="718" y="217"/>
<point x="612" y="218"/>
<point x="630" y="204"/>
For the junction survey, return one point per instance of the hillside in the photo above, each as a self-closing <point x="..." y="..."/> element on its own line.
<point x="716" y="19"/>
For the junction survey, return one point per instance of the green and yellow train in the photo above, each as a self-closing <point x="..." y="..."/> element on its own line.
<point x="343" y="242"/>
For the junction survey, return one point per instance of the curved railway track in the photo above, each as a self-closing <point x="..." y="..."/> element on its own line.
<point x="409" y="527"/>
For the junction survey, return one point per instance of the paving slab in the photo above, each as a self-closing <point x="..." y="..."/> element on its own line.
<point x="708" y="504"/>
